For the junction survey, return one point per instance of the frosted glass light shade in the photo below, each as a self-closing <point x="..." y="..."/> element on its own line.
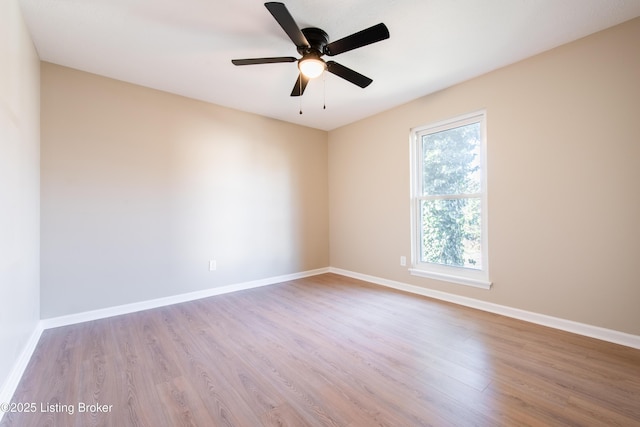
<point x="311" y="67"/>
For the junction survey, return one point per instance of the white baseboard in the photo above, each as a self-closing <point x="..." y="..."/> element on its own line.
<point x="597" y="332"/>
<point x="54" y="322"/>
<point x="12" y="381"/>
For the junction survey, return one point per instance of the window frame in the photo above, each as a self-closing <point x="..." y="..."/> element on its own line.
<point x="460" y="275"/>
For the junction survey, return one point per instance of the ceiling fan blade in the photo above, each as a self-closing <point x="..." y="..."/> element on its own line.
<point x="254" y="61"/>
<point x="348" y="74"/>
<point x="361" y="38"/>
<point x="300" y="86"/>
<point x="286" y="21"/>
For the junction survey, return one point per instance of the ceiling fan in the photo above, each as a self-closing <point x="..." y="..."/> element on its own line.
<point x="312" y="43"/>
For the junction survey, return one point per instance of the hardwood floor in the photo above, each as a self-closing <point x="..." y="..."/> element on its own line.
<point x="324" y="351"/>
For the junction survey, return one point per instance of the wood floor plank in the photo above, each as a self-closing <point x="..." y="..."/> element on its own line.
<point x="325" y="351"/>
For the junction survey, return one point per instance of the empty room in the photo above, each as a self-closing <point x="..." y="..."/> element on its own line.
<point x="304" y="213"/>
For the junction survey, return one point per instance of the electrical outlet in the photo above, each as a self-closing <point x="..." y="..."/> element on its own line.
<point x="212" y="265"/>
<point x="403" y="261"/>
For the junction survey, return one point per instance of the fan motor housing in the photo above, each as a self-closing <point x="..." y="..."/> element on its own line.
<point x="317" y="39"/>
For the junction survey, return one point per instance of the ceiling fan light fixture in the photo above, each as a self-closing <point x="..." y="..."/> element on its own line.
<point x="312" y="43"/>
<point x="312" y="67"/>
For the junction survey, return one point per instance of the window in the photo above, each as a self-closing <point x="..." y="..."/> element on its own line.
<point x="449" y="210"/>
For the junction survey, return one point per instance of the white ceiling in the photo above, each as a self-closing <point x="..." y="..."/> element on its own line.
<point x="186" y="46"/>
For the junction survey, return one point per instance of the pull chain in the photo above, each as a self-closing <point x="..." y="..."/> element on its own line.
<point x="300" y="91"/>
<point x="324" y="91"/>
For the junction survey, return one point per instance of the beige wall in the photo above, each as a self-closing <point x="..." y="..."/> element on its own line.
<point x="564" y="203"/>
<point x="19" y="188"/>
<point x="140" y="189"/>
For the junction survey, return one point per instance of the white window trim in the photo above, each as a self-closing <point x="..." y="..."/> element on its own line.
<point x="458" y="275"/>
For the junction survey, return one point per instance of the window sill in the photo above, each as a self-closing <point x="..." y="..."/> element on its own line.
<point x="460" y="280"/>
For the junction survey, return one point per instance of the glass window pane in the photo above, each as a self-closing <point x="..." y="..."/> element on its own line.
<point x="451" y="232"/>
<point x="451" y="163"/>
